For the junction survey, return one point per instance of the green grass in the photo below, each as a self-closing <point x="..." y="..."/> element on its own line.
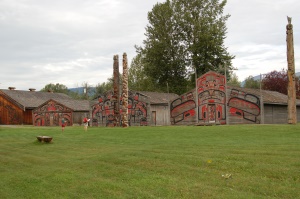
<point x="151" y="162"/>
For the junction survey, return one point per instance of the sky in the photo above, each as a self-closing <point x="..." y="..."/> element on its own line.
<point x="73" y="41"/>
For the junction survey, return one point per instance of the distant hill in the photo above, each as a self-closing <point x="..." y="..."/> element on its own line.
<point x="80" y="90"/>
<point x="258" y="78"/>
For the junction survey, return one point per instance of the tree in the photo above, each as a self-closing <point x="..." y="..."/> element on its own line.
<point x="234" y="80"/>
<point x="203" y="30"/>
<point x="163" y="54"/>
<point x="278" y="81"/>
<point x="57" y="88"/>
<point x="183" y="35"/>
<point x="103" y="87"/>
<point x="251" y="83"/>
<point x="137" y="78"/>
<point x="106" y="86"/>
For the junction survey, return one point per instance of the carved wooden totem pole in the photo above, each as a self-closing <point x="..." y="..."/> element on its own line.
<point x="116" y="96"/>
<point x="292" y="111"/>
<point x="125" y="92"/>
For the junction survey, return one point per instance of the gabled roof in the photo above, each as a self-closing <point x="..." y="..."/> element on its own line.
<point x="76" y="105"/>
<point x="269" y="97"/>
<point x="158" y="98"/>
<point x="33" y="99"/>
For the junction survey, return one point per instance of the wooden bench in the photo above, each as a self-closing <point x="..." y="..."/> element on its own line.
<point x="44" y="138"/>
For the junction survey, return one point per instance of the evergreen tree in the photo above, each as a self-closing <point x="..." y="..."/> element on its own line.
<point x="251" y="83"/>
<point x="234" y="80"/>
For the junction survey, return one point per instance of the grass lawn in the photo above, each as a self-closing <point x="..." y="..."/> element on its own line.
<point x="151" y="162"/>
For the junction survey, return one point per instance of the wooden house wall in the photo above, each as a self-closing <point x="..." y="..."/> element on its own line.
<point x="27" y="117"/>
<point x="160" y="115"/>
<point x="213" y="102"/>
<point x="242" y="107"/>
<point x="277" y="114"/>
<point x="298" y="114"/>
<point x="51" y="113"/>
<point x="10" y="114"/>
<point x="210" y="107"/>
<point x="183" y="109"/>
<point x="138" y="110"/>
<point x="78" y="117"/>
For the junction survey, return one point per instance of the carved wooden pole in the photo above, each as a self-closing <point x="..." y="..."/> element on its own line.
<point x="125" y="92"/>
<point x="292" y="111"/>
<point x="116" y="95"/>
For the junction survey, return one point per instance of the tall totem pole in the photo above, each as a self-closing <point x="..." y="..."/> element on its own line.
<point x="116" y="96"/>
<point x="125" y="92"/>
<point x="292" y="112"/>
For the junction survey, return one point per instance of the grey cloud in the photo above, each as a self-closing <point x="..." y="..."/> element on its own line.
<point x="72" y="41"/>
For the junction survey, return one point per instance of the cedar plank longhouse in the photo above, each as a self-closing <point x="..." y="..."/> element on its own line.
<point x="17" y="107"/>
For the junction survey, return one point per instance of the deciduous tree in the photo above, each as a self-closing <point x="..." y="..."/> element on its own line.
<point x="183" y="35"/>
<point x="57" y="88"/>
<point x="278" y="81"/>
<point x="137" y="78"/>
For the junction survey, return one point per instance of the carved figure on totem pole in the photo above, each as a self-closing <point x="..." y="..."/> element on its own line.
<point x="116" y="96"/>
<point x="292" y="112"/>
<point x="125" y="92"/>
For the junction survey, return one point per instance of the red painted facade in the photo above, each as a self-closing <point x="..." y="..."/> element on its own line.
<point x="51" y="113"/>
<point x="212" y="103"/>
<point x="103" y="111"/>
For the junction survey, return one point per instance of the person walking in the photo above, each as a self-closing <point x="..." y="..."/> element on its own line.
<point x="63" y="124"/>
<point x="86" y="123"/>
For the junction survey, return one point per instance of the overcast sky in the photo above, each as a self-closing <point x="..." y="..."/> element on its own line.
<point x="73" y="41"/>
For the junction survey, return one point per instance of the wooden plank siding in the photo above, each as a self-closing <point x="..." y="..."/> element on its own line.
<point x="27" y="117"/>
<point x="51" y="113"/>
<point x="277" y="114"/>
<point x="78" y="117"/>
<point x="162" y="115"/>
<point x="10" y="114"/>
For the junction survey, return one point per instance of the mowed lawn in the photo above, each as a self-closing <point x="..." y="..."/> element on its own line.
<point x="260" y="161"/>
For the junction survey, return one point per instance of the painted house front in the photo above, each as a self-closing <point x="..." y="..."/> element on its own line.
<point x="144" y="109"/>
<point x="214" y="103"/>
<point x="40" y="108"/>
<point x="51" y="113"/>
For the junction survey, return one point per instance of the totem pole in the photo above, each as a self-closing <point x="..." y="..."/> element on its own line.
<point x="292" y="111"/>
<point x="116" y="96"/>
<point x="125" y="92"/>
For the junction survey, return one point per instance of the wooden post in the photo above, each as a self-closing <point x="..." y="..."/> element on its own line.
<point x="226" y="96"/>
<point x="116" y="95"/>
<point x="125" y="92"/>
<point x="196" y="97"/>
<point x="292" y="111"/>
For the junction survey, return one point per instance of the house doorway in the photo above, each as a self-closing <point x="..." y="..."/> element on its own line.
<point x="211" y="113"/>
<point x="153" y="118"/>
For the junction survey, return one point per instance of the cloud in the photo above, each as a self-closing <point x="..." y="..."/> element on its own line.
<point x="73" y="41"/>
<point x="257" y="34"/>
<point x="66" y="41"/>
